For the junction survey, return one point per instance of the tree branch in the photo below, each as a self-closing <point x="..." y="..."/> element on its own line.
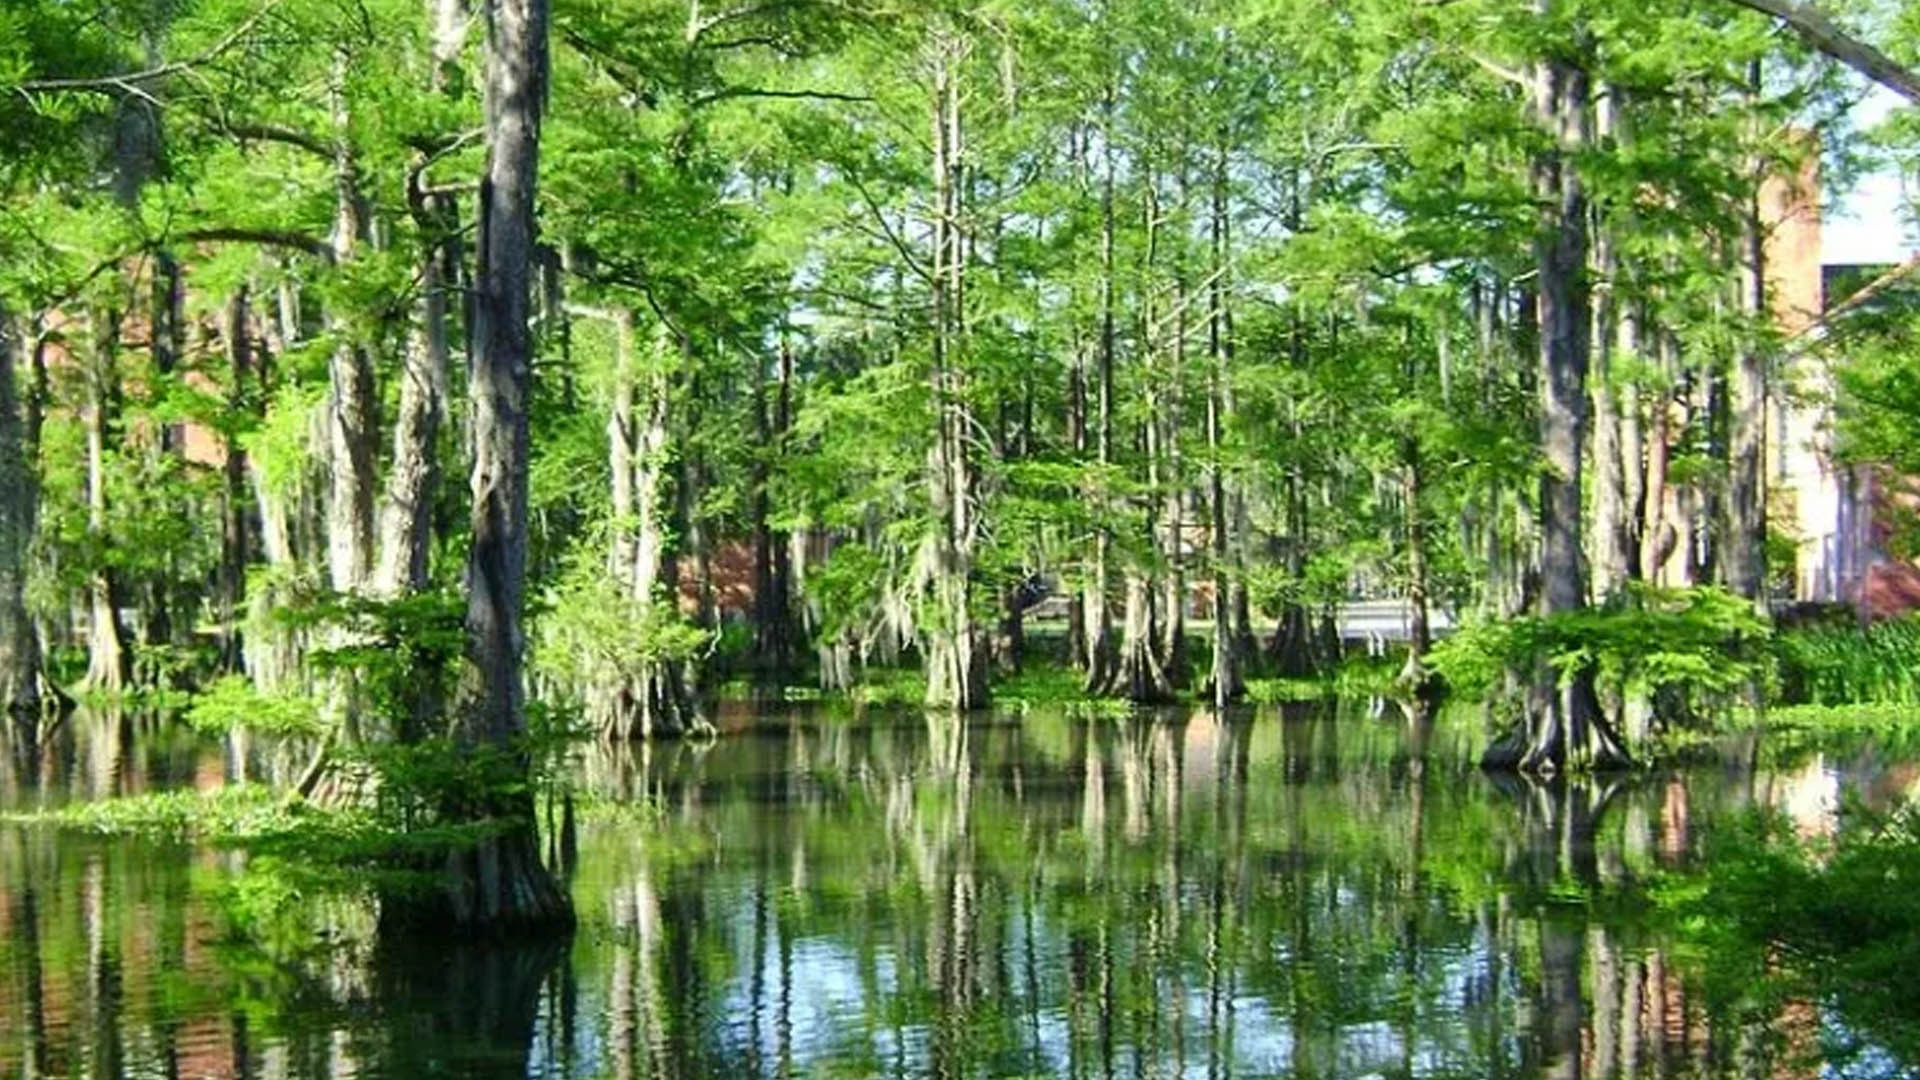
<point x="1828" y="37"/>
<point x="284" y="238"/>
<point x="272" y="133"/>
<point x="746" y="91"/>
<point x="125" y="83"/>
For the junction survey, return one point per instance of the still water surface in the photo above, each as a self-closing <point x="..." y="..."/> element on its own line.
<point x="1324" y="893"/>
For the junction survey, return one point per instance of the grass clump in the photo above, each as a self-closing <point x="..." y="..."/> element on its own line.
<point x="1839" y="661"/>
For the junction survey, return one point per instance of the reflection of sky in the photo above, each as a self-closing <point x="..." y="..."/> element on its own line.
<point x="830" y="1012"/>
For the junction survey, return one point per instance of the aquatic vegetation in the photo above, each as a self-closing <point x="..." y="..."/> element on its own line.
<point x="1843" y="662"/>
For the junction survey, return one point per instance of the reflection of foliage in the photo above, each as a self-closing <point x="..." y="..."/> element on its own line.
<point x="1703" y="641"/>
<point x="1787" y="920"/>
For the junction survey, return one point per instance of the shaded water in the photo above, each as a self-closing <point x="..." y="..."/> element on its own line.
<point x="1321" y="894"/>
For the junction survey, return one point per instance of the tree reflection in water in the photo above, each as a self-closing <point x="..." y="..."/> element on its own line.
<point x="1310" y="893"/>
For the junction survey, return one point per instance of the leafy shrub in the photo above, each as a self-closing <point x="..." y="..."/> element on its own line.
<point x="232" y="702"/>
<point x="593" y="633"/>
<point x="1696" y="643"/>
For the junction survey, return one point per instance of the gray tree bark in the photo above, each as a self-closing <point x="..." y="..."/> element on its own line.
<point x="19" y="512"/>
<point x="1745" y="562"/>
<point x="108" y="661"/>
<point x="1612" y="559"/>
<point x="351" y="404"/>
<point x="1563" y="727"/>
<point x="955" y="645"/>
<point x="500" y="882"/>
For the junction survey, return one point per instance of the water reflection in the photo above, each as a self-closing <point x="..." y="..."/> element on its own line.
<point x="1316" y="893"/>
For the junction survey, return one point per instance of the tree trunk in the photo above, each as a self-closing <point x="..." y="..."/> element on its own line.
<point x="350" y="390"/>
<point x="1746" y="543"/>
<point x="406" y="523"/>
<point x="1413" y="675"/>
<point x="1563" y="728"/>
<point x="233" y="491"/>
<point x="107" y="658"/>
<point x="499" y="883"/>
<point x="1227" y="682"/>
<point x="1612" y="559"/>
<point x="19" y="511"/>
<point x="956" y="652"/>
<point x="1097" y="633"/>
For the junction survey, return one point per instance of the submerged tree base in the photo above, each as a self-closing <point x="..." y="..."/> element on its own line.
<point x="1563" y="730"/>
<point x="498" y="888"/>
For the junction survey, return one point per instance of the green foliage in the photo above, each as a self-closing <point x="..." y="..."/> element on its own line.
<point x="591" y="632"/>
<point x="1836" y="920"/>
<point x="1704" y="642"/>
<point x="1842" y="662"/>
<point x="233" y="702"/>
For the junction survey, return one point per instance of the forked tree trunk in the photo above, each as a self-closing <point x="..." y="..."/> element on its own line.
<point x="19" y="506"/>
<point x="499" y="883"/>
<point x="657" y="700"/>
<point x="406" y="523"/>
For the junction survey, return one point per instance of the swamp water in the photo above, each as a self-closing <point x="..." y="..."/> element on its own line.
<point x="1319" y="893"/>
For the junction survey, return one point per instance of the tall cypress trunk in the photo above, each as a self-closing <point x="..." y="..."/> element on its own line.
<point x="350" y="403"/>
<point x="1140" y="674"/>
<point x="1097" y="632"/>
<point x="1228" y="680"/>
<point x="233" y="489"/>
<point x="1611" y="558"/>
<point x="108" y="661"/>
<point x="1172" y="642"/>
<point x="19" y="512"/>
<point x="406" y="526"/>
<point x="1746" y="543"/>
<point x="500" y="883"/>
<point x="955" y="645"/>
<point x="1562" y="726"/>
